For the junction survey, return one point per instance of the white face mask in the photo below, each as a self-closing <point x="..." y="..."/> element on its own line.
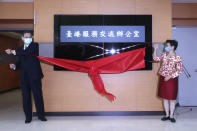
<point x="167" y="49"/>
<point x="27" y="40"/>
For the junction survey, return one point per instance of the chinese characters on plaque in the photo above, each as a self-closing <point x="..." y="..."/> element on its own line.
<point x="102" y="34"/>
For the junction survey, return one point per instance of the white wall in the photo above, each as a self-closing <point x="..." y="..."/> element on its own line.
<point x="184" y="1"/>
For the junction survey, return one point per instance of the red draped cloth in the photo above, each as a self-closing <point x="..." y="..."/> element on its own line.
<point x="118" y="63"/>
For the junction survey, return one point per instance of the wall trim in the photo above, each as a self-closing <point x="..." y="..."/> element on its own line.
<point x="105" y="113"/>
<point x="9" y="90"/>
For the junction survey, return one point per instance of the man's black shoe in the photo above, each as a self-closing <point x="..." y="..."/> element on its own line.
<point x="27" y="121"/>
<point x="42" y="118"/>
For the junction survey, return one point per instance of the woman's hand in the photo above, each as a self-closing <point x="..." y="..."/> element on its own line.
<point x="155" y="46"/>
<point x="155" y="51"/>
<point x="167" y="78"/>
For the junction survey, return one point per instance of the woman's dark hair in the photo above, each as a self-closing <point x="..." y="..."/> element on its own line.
<point x="27" y="32"/>
<point x="172" y="43"/>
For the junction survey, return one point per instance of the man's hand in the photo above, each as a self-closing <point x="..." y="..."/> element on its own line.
<point x="167" y="78"/>
<point x="13" y="66"/>
<point x="8" y="51"/>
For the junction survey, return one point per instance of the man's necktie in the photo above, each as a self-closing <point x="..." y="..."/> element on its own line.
<point x="25" y="46"/>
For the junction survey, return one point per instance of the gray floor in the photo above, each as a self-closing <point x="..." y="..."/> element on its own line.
<point x="12" y="119"/>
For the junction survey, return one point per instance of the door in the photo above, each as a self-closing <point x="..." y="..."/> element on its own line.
<point x="187" y="49"/>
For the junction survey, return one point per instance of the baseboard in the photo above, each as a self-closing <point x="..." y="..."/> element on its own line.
<point x="8" y="90"/>
<point x="104" y="113"/>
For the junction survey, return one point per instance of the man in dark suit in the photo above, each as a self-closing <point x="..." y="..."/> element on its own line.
<point x="30" y="76"/>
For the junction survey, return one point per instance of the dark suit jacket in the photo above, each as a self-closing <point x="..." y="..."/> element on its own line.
<point x="28" y="63"/>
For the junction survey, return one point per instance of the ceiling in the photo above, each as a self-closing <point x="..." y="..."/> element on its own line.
<point x="173" y="1"/>
<point x="16" y="0"/>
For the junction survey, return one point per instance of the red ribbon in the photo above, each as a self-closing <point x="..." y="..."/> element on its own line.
<point x="119" y="63"/>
